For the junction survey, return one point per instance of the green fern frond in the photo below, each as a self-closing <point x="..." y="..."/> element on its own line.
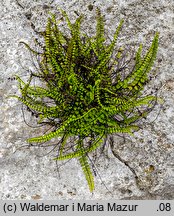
<point x="80" y="152"/>
<point x="87" y="172"/>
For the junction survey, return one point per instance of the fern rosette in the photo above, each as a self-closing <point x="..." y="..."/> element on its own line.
<point x="88" y="90"/>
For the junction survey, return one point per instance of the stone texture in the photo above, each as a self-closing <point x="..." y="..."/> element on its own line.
<point x="24" y="172"/>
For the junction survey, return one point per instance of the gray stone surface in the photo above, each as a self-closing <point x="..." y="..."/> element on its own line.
<point x="24" y="172"/>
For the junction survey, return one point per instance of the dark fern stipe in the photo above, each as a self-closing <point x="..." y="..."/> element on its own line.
<point x="88" y="88"/>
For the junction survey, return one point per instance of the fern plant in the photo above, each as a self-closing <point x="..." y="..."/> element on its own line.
<point x="88" y="88"/>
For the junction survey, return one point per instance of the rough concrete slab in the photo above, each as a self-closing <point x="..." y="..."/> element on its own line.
<point x="24" y="172"/>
